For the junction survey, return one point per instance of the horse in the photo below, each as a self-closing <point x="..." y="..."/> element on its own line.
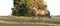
<point x="39" y="12"/>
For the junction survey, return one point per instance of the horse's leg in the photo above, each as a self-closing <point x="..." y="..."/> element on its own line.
<point x="48" y="15"/>
<point x="33" y="16"/>
<point x="39" y="16"/>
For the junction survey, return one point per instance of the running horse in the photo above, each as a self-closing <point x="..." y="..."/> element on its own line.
<point x="39" y="12"/>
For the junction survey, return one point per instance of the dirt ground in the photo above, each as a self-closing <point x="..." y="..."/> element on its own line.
<point x="28" y="21"/>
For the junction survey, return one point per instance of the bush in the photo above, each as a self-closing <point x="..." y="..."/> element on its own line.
<point x="24" y="7"/>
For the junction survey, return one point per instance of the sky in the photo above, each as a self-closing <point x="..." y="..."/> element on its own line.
<point x="53" y="7"/>
<point x="6" y="5"/>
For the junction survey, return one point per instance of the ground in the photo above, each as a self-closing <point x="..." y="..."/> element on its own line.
<point x="28" y="21"/>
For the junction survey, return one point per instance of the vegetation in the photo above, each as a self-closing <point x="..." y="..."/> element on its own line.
<point x="24" y="7"/>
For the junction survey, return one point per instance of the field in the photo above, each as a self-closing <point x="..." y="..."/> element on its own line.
<point x="28" y="21"/>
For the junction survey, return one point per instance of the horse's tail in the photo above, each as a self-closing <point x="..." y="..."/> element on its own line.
<point x="48" y="14"/>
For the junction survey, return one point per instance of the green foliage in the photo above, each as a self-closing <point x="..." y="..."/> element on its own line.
<point x="24" y="7"/>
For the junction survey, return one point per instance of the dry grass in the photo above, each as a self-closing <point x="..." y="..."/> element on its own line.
<point x="28" y="20"/>
<point x="7" y="22"/>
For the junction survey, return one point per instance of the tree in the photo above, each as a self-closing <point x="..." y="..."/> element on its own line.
<point x="24" y="7"/>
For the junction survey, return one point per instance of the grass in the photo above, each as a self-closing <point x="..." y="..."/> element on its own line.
<point x="28" y="21"/>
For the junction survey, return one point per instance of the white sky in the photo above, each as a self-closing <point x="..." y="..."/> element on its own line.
<point x="6" y="5"/>
<point x="53" y="6"/>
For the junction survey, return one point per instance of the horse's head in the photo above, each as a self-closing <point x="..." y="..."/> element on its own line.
<point x="35" y="9"/>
